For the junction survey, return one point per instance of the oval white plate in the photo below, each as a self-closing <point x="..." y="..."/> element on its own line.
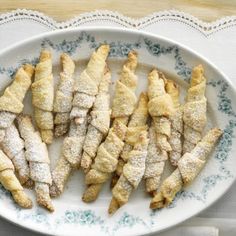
<point x="72" y="216"/>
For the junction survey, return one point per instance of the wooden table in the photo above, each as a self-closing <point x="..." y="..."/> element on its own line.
<point x="207" y="10"/>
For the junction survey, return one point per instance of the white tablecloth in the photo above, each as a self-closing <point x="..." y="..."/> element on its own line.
<point x="216" y="41"/>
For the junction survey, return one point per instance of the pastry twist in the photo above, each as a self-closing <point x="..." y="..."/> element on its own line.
<point x="132" y="173"/>
<point x="160" y="107"/>
<point x="194" y="115"/>
<point x="11" y="102"/>
<point x="42" y="96"/>
<point x="188" y="168"/>
<point x="63" y="97"/>
<point x="13" y="147"/>
<point x="11" y="183"/>
<point x="136" y="125"/>
<point x="176" y="119"/>
<point x="155" y="163"/>
<point x="100" y="122"/>
<point x="86" y="87"/>
<point x="108" y="152"/>
<point x="70" y="157"/>
<point x="37" y="155"/>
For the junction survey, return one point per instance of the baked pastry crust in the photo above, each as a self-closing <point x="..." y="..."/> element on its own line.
<point x="11" y="102"/>
<point x="86" y="89"/>
<point x="86" y="86"/>
<point x="176" y="119"/>
<point x="106" y="160"/>
<point x="13" y="146"/>
<point x="100" y="122"/>
<point x="131" y="175"/>
<point x="11" y="183"/>
<point x="194" y="115"/>
<point x="136" y="125"/>
<point x="64" y="95"/>
<point x="188" y="168"/>
<point x="43" y="95"/>
<point x="155" y="163"/>
<point x="161" y="108"/>
<point x="70" y="157"/>
<point x="37" y="155"/>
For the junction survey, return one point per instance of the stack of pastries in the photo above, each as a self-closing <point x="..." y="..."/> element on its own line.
<point x="131" y="141"/>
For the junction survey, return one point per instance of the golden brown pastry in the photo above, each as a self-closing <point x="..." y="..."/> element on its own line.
<point x="188" y="168"/>
<point x="100" y="122"/>
<point x="42" y="96"/>
<point x="176" y="119"/>
<point x="195" y="110"/>
<point x="136" y="125"/>
<point x="161" y="108"/>
<point x="155" y="163"/>
<point x="11" y="102"/>
<point x="108" y="152"/>
<point x="86" y="87"/>
<point x="11" y="183"/>
<point x="13" y="147"/>
<point x="37" y="155"/>
<point x="63" y="97"/>
<point x="131" y="175"/>
<point x="70" y="157"/>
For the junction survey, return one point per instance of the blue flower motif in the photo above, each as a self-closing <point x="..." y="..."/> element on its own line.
<point x="156" y="49"/>
<point x="70" y="217"/>
<point x="225" y="143"/>
<point x="68" y="47"/>
<point x="86" y="217"/>
<point x="225" y="105"/>
<point x="124" y="50"/>
<point x="113" y="51"/>
<point x="221" y="156"/>
<point x="128" y="220"/>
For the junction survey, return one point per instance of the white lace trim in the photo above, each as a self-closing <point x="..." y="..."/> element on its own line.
<point x="104" y="15"/>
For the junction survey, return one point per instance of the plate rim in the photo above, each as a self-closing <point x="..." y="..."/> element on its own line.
<point x="108" y="29"/>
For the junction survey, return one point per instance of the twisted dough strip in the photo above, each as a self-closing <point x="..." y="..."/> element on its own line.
<point x="70" y="157"/>
<point x="100" y="123"/>
<point x="42" y="96"/>
<point x="64" y="96"/>
<point x="108" y="152"/>
<point x="136" y="125"/>
<point x="160" y="107"/>
<point x="11" y="183"/>
<point x="195" y="110"/>
<point x="11" y="102"/>
<point x="13" y="147"/>
<point x="132" y="173"/>
<point x="86" y="87"/>
<point x="155" y="163"/>
<point x="188" y="168"/>
<point x="176" y="119"/>
<point x="37" y="155"/>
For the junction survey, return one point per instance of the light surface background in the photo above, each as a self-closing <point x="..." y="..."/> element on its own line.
<point x="60" y="10"/>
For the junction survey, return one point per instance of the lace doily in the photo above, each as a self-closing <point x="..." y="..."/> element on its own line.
<point x="124" y="21"/>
